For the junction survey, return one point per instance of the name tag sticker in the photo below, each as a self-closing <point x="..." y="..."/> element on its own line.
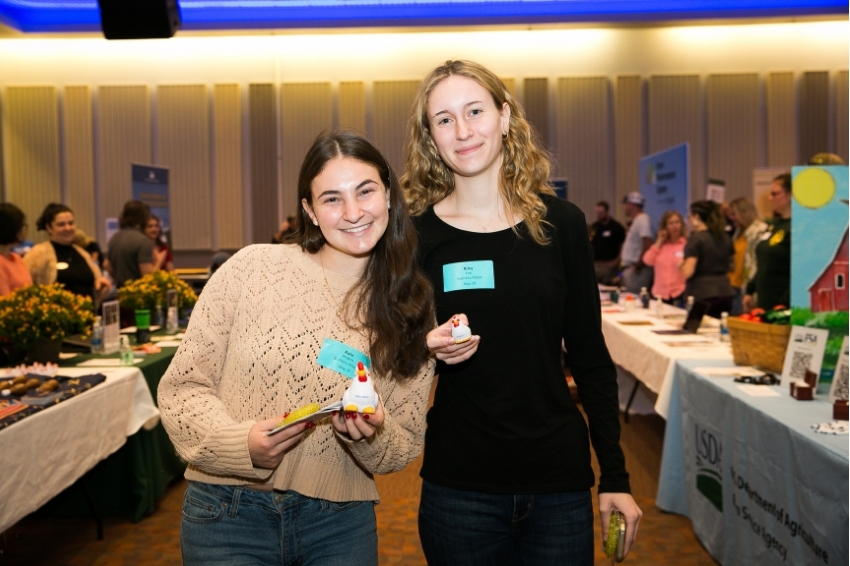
<point x="606" y="234"/>
<point x="468" y="275"/>
<point x="341" y="357"/>
<point x="679" y="253"/>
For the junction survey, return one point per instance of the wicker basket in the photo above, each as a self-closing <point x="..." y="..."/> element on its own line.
<point x="759" y="344"/>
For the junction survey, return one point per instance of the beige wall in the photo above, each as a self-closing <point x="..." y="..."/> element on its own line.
<point x="231" y="115"/>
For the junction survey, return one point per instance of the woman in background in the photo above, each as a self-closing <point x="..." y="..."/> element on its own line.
<point x="708" y="257"/>
<point x="507" y="472"/>
<point x="747" y="236"/>
<point x="60" y="260"/>
<point x="665" y="256"/>
<point x="266" y="338"/>
<point x="13" y="229"/>
<point x="162" y="258"/>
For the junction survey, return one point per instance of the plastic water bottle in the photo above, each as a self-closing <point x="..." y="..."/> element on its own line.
<point x="659" y="308"/>
<point x="159" y="316"/>
<point x="724" y="327"/>
<point x="644" y="297"/>
<point x="125" y="352"/>
<point x="97" y="336"/>
<point x="171" y="325"/>
<point x="689" y="304"/>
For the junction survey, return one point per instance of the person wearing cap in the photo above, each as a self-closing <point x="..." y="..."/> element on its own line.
<point x="636" y="274"/>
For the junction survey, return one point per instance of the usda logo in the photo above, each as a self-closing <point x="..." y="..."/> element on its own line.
<point x="709" y="480"/>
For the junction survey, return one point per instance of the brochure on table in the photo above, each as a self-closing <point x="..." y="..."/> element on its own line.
<point x="111" y="326"/>
<point x="805" y="352"/>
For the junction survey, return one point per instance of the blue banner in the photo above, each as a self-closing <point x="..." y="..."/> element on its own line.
<point x="150" y="185"/>
<point x="665" y="181"/>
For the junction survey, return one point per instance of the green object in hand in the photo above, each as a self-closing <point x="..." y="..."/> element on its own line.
<point x="613" y="534"/>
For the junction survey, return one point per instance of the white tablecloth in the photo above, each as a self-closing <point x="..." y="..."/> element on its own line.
<point x="46" y="452"/>
<point x="651" y="357"/>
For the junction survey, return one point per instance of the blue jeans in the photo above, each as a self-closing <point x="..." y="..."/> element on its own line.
<point x="467" y="528"/>
<point x="232" y="526"/>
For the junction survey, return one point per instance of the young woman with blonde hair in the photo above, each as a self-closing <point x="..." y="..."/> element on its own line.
<point x="507" y="472"/>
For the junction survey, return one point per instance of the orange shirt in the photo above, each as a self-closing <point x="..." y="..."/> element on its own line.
<point x="736" y="276"/>
<point x="13" y="273"/>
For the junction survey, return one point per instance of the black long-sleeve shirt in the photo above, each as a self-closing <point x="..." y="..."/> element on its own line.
<point x="504" y="421"/>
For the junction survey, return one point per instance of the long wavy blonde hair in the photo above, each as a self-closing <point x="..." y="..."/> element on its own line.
<point x="524" y="175"/>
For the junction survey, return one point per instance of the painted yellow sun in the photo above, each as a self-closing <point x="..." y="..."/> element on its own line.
<point x="814" y="188"/>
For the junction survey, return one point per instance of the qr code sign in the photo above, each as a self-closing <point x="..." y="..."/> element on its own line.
<point x="841" y="381"/>
<point x="800" y="364"/>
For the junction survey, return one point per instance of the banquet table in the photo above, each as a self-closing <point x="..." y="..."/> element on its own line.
<point x="130" y="481"/>
<point x="758" y="483"/>
<point x="650" y="357"/>
<point x="48" y="451"/>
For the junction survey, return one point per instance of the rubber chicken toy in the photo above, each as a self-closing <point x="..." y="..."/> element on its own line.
<point x="360" y="396"/>
<point x="460" y="332"/>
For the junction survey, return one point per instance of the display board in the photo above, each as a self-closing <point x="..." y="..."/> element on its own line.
<point x="150" y="185"/>
<point x="664" y="182"/>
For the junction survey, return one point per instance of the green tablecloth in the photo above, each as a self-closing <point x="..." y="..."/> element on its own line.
<point x="134" y="478"/>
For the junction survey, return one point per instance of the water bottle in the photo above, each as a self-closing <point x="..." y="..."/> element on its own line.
<point x="659" y="308"/>
<point x="159" y="317"/>
<point x="689" y="304"/>
<point x="125" y="352"/>
<point x="171" y="326"/>
<point x="644" y="297"/>
<point x="97" y="336"/>
<point x="724" y="327"/>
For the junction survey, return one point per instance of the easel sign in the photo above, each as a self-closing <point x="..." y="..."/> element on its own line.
<point x="805" y="351"/>
<point x="111" y="323"/>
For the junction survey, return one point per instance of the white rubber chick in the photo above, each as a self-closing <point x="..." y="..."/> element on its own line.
<point x="360" y="396"/>
<point x="460" y="332"/>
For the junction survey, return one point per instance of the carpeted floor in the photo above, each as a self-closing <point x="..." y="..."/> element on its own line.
<point x="35" y="541"/>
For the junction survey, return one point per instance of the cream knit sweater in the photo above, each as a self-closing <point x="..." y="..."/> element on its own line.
<point x="250" y="354"/>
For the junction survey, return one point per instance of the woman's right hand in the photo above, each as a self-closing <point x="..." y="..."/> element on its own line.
<point x="662" y="237"/>
<point x="441" y="343"/>
<point x="267" y="451"/>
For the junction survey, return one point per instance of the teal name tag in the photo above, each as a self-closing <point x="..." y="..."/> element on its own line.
<point x="341" y="358"/>
<point x="468" y="275"/>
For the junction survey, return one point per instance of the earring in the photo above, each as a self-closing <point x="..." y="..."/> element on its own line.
<point x="388" y="205"/>
<point x="315" y="222"/>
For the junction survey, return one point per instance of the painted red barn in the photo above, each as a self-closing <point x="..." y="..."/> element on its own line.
<point x="829" y="291"/>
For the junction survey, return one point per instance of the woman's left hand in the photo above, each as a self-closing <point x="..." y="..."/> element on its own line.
<point x="358" y="426"/>
<point x="102" y="286"/>
<point x="625" y="504"/>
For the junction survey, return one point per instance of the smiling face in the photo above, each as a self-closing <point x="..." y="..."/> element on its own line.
<point x="350" y="204"/>
<point x="674" y="227"/>
<point x="152" y="229"/>
<point x="467" y="127"/>
<point x="62" y="229"/>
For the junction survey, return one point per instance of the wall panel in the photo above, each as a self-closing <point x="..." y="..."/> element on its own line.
<point x="352" y="106"/>
<point x="734" y="131"/>
<point x="536" y="104"/>
<point x="78" y="153"/>
<point x="264" y="151"/>
<point x="814" y="126"/>
<point x="227" y="167"/>
<point x="510" y="85"/>
<point x="395" y="100"/>
<point x="781" y="119"/>
<point x="31" y="150"/>
<point x="629" y="138"/>
<point x="183" y="132"/>
<point x="584" y="143"/>
<point x="123" y="126"/>
<point x="841" y="115"/>
<point x="676" y="115"/>
<point x="306" y="109"/>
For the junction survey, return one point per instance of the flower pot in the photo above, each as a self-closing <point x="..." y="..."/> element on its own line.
<point x="45" y="351"/>
<point x="143" y="318"/>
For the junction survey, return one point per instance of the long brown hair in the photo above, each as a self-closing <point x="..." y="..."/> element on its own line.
<point x="709" y="212"/>
<point x="665" y="218"/>
<point x="393" y="298"/>
<point x="524" y="175"/>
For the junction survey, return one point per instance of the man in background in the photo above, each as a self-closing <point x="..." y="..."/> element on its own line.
<point x="636" y="274"/>
<point x="606" y="239"/>
<point x="130" y="253"/>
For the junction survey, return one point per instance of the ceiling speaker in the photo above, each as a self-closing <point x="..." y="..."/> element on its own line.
<point x="139" y="19"/>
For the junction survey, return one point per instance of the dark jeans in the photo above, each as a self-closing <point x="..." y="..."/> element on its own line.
<point x="230" y="526"/>
<point x="717" y="305"/>
<point x="468" y="528"/>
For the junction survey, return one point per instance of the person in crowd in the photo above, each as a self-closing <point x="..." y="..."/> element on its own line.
<point x="130" y="253"/>
<point x="60" y="260"/>
<point x="636" y="274"/>
<point x="287" y="227"/>
<point x="771" y="285"/>
<point x="13" y="229"/>
<point x="271" y="333"/>
<point x="512" y="261"/>
<point x="665" y="256"/>
<point x="89" y="244"/>
<point x="217" y="261"/>
<point x="162" y="258"/>
<point x="748" y="230"/>
<point x="606" y="239"/>
<point x="708" y="256"/>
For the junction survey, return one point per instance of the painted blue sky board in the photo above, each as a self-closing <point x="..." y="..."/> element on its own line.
<point x="816" y="234"/>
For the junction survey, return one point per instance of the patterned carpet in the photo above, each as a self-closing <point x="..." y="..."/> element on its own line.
<point x="35" y="541"/>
